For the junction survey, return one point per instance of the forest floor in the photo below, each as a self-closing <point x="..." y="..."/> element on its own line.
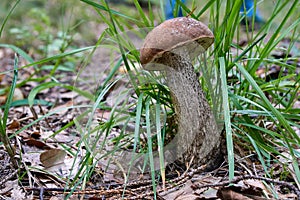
<point x="45" y="169"/>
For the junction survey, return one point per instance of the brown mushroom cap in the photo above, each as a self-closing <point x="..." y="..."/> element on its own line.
<point x="172" y="36"/>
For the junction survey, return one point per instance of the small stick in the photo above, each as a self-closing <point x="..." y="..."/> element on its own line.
<point x="46" y="119"/>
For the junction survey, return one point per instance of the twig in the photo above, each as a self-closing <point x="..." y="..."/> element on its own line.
<point x="34" y="114"/>
<point x="46" y="119"/>
<point x="134" y="189"/>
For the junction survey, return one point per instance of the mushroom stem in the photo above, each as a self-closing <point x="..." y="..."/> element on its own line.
<point x="197" y="134"/>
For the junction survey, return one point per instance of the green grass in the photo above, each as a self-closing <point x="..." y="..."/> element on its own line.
<point x="4" y="138"/>
<point x="240" y="98"/>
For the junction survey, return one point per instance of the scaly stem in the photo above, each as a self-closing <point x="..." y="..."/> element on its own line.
<point x="198" y="137"/>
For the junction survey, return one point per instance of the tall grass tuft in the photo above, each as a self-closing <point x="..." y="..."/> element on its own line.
<point x="239" y="89"/>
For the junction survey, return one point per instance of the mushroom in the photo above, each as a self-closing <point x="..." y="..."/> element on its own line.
<point x="171" y="47"/>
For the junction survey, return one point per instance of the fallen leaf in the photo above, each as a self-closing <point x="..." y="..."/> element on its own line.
<point x="185" y="192"/>
<point x="232" y="195"/>
<point x="62" y="109"/>
<point x="36" y="134"/>
<point x="53" y="157"/>
<point x="36" y="143"/>
<point x="189" y="197"/>
<point x="210" y="193"/>
<point x="255" y="184"/>
<point x="14" y="125"/>
<point x="68" y="95"/>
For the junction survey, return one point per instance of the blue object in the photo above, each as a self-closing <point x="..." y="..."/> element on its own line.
<point x="170" y="7"/>
<point x="248" y="8"/>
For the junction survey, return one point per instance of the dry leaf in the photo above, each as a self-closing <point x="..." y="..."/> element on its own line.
<point x="182" y="193"/>
<point x="36" y="134"/>
<point x="14" y="125"/>
<point x="69" y="95"/>
<point x="36" y="143"/>
<point x="53" y="157"/>
<point x="232" y="195"/>
<point x="257" y="184"/>
<point x="210" y="193"/>
<point x="62" y="109"/>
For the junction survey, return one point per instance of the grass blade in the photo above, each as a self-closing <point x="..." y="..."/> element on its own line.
<point x="160" y="143"/>
<point x="149" y="142"/>
<point x="8" y="15"/>
<point x="18" y="51"/>
<point x="101" y="7"/>
<point x="11" y="92"/>
<point x="4" y="138"/>
<point x="283" y="122"/>
<point x="227" y="120"/>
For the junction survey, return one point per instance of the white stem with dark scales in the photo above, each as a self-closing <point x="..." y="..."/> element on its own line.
<point x="197" y="136"/>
